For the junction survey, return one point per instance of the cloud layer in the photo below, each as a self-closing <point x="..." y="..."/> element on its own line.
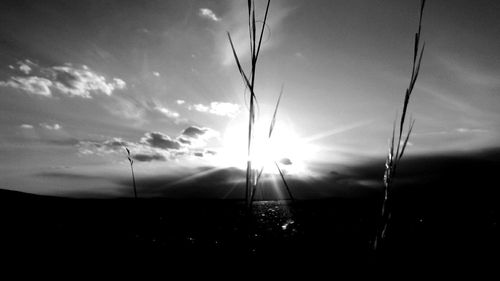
<point x="159" y="140"/>
<point x="66" y="80"/>
<point x="154" y="146"/>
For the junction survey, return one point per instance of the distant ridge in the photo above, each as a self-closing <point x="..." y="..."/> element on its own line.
<point x="14" y="194"/>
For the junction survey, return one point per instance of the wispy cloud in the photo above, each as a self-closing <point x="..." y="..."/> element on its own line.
<point x="142" y="110"/>
<point x="26" y="126"/>
<point x="53" y="127"/>
<point x="66" y="79"/>
<point x="101" y="147"/>
<point x="208" y="14"/>
<point x="471" y="130"/>
<point x="217" y="108"/>
<point x="124" y="107"/>
<point x="33" y="85"/>
<point x="167" y="112"/>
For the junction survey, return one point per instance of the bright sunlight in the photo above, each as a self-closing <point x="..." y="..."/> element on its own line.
<point x="285" y="147"/>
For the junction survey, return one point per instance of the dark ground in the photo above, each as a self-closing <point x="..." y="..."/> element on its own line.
<point x="446" y="216"/>
<point x="323" y="234"/>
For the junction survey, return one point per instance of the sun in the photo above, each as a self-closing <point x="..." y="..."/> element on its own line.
<point x="285" y="147"/>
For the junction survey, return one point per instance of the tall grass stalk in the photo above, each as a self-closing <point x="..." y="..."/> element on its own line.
<point x="271" y="129"/>
<point x="132" y="169"/>
<point x="249" y="80"/>
<point x="395" y="155"/>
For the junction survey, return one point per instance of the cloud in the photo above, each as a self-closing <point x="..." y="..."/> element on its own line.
<point x="149" y="157"/>
<point x="153" y="146"/>
<point x="26" y="126"/>
<point x="82" y="81"/>
<point x="26" y="66"/>
<point x="141" y="152"/>
<point x="286" y="161"/>
<point x="167" y="112"/>
<point x="193" y="132"/>
<point x="200" y="108"/>
<point x="113" y="145"/>
<point x="33" y="85"/>
<point x="159" y="140"/>
<point x="157" y="74"/>
<point x="197" y="137"/>
<point x="208" y="14"/>
<point x="471" y="130"/>
<point x="204" y="153"/>
<point x="224" y="109"/>
<point x="180" y="102"/>
<point x="53" y="127"/>
<point x="218" y="108"/>
<point x="125" y="107"/>
<point x="67" y="80"/>
<point x="119" y="83"/>
<point x="184" y="141"/>
<point x="106" y="146"/>
<point x="210" y="152"/>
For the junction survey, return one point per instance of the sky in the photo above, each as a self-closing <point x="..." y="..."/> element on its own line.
<point x="81" y="80"/>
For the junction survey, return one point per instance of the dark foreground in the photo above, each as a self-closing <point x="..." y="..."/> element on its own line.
<point x="323" y="234"/>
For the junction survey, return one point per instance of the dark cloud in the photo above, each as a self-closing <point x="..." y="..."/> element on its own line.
<point x="198" y="154"/>
<point x="211" y="152"/>
<point x="149" y="157"/>
<point x="194" y="132"/>
<point x="160" y="140"/>
<point x="180" y="153"/>
<point x="184" y="141"/>
<point x="65" y="78"/>
<point x="286" y="161"/>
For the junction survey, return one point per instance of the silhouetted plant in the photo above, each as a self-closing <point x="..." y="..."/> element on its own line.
<point x="252" y="176"/>
<point x="255" y="44"/>
<point x="395" y="155"/>
<point x="132" y="169"/>
<point x="271" y="129"/>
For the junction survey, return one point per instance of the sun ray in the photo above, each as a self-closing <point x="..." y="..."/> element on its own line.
<point x="197" y="175"/>
<point x="337" y="131"/>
